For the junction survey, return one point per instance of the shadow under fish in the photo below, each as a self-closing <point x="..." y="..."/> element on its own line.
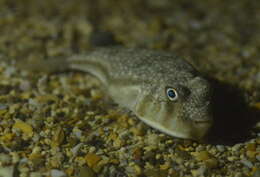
<point x="234" y="120"/>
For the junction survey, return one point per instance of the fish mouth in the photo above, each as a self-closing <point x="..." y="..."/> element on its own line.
<point x="203" y="121"/>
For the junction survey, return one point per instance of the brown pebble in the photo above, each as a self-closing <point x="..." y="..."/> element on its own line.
<point x="92" y="159"/>
<point x="211" y="163"/>
<point x="251" y="147"/>
<point x="202" y="156"/>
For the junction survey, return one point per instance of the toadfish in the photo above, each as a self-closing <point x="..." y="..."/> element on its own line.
<point x="161" y="89"/>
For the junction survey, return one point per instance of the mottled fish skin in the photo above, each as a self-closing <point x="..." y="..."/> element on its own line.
<point x="138" y="79"/>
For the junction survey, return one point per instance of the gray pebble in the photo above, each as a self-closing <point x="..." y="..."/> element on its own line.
<point x="237" y="147"/>
<point x="7" y="171"/>
<point x="221" y="148"/>
<point x="5" y="158"/>
<point x="3" y="106"/>
<point x="247" y="163"/>
<point x="57" y="173"/>
<point x="258" y="157"/>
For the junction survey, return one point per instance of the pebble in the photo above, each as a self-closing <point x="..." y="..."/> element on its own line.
<point x="221" y="148"/>
<point x="24" y="127"/>
<point x="86" y="172"/>
<point x="232" y="158"/>
<point x="3" y="107"/>
<point x="7" y="171"/>
<point x="153" y="140"/>
<point x="258" y="157"/>
<point x="202" y="156"/>
<point x="257" y="173"/>
<point x="35" y="174"/>
<point x="211" y="163"/>
<point x="9" y="71"/>
<point x="25" y="85"/>
<point x="199" y="172"/>
<point x="236" y="147"/>
<point x="5" y="158"/>
<point x="251" y="147"/>
<point x="251" y="154"/>
<point x="247" y="163"/>
<point x="57" y="173"/>
<point x="76" y="148"/>
<point x="92" y="159"/>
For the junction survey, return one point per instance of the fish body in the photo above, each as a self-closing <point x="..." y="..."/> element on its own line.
<point x="161" y="89"/>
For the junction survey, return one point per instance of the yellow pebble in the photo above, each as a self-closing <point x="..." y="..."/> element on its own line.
<point x="7" y="137"/>
<point x="256" y="105"/>
<point x="24" y="127"/>
<point x="92" y="159"/>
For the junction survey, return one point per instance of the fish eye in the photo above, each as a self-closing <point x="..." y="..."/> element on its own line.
<point x="172" y="94"/>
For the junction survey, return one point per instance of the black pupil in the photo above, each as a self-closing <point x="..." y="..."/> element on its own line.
<point x="171" y="94"/>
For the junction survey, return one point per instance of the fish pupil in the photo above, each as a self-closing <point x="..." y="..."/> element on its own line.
<point x="171" y="94"/>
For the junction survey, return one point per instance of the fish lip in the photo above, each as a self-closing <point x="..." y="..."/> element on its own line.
<point x="205" y="121"/>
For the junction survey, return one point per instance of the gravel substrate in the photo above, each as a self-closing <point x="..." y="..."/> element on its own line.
<point x="64" y="124"/>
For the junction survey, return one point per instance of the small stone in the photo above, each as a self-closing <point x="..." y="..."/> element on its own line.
<point x="86" y="172"/>
<point x="198" y="172"/>
<point x="220" y="148"/>
<point x="138" y="169"/>
<point x="92" y="159"/>
<point x="7" y="137"/>
<point x="5" y="158"/>
<point x="36" y="158"/>
<point x="239" y="174"/>
<point x="9" y="71"/>
<point x="7" y="171"/>
<point x="15" y="157"/>
<point x="257" y="105"/>
<point x="211" y="163"/>
<point x="247" y="163"/>
<point x="165" y="166"/>
<point x="24" y="127"/>
<point x="76" y="148"/>
<point x="118" y="142"/>
<point x="200" y="148"/>
<point x="25" y="85"/>
<point x="256" y="173"/>
<point x="153" y="139"/>
<point x="77" y="132"/>
<point x="155" y="173"/>
<point x="3" y="107"/>
<point x="57" y="173"/>
<point x="202" y="156"/>
<point x="35" y="174"/>
<point x="251" y="154"/>
<point x="251" y="147"/>
<point x="137" y="154"/>
<point x="232" y="158"/>
<point x="58" y="137"/>
<point x="258" y="157"/>
<point x="237" y="147"/>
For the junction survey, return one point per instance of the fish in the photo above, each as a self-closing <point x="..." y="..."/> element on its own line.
<point x="162" y="89"/>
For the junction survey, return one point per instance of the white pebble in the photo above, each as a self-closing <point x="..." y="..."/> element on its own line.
<point x="57" y="173"/>
<point x="76" y="148"/>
